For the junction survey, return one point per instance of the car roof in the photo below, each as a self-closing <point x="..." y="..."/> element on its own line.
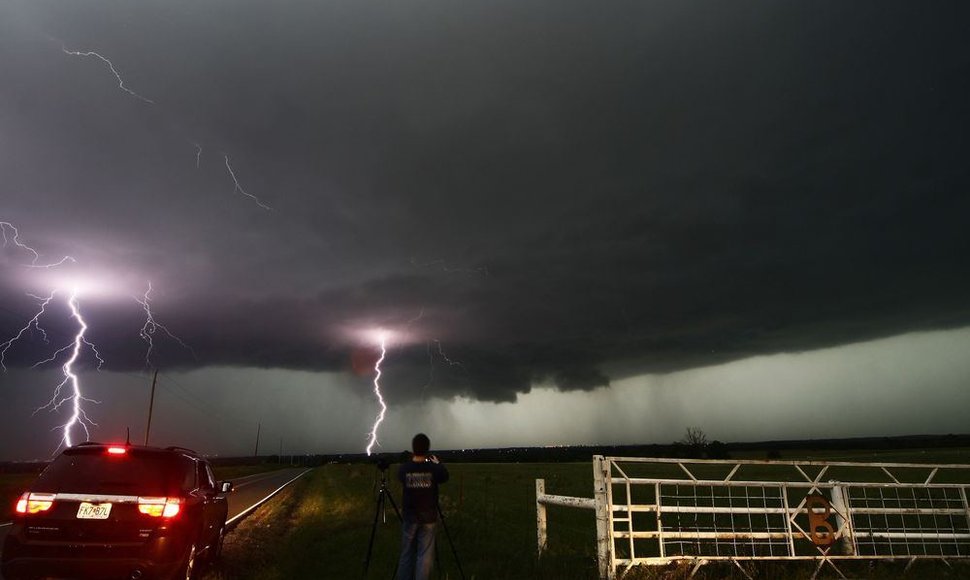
<point x="89" y="446"/>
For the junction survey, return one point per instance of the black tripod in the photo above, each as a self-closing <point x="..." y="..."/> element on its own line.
<point x="451" y="542"/>
<point x="380" y="509"/>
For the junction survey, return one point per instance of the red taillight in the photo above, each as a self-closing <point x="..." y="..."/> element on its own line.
<point x="117" y="450"/>
<point x="160" y="507"/>
<point x="32" y="503"/>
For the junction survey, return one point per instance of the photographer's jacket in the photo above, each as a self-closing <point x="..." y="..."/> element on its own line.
<point x="420" y="482"/>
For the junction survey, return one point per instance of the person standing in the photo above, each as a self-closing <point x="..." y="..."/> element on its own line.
<point x="419" y="478"/>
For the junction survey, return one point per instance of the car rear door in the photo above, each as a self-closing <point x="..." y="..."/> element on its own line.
<point x="215" y="504"/>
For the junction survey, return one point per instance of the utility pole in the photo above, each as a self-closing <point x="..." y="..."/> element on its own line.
<point x="258" y="426"/>
<point x="151" y="405"/>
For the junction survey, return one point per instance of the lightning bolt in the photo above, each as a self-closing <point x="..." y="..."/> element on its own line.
<point x="240" y="189"/>
<point x="114" y="71"/>
<point x="198" y="148"/>
<point x="417" y="318"/>
<point x="442" y="356"/>
<point x="431" y="353"/>
<point x="74" y="396"/>
<point x="78" y="415"/>
<point x="152" y="326"/>
<point x="32" y="323"/>
<point x="14" y="237"/>
<point x="380" y="399"/>
<point x="53" y="357"/>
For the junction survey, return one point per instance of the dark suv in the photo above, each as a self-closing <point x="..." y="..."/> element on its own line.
<point x="118" y="511"/>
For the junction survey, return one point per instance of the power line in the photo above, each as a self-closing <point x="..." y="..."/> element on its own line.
<point x="187" y="396"/>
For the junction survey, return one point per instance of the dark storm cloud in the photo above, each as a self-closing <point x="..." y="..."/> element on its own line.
<point x="556" y="192"/>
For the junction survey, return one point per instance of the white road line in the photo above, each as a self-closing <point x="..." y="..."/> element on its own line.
<point x="265" y="475"/>
<point x="6" y="524"/>
<point x="254" y="477"/>
<point x="265" y="499"/>
<point x="260" y="474"/>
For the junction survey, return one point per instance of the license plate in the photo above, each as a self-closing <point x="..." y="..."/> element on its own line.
<point x="93" y="511"/>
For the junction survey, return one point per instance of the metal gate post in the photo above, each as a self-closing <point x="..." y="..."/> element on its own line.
<point x="541" y="516"/>
<point x="841" y="506"/>
<point x="966" y="503"/>
<point x="604" y="552"/>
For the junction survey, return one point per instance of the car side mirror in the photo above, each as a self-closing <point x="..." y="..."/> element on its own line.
<point x="225" y="487"/>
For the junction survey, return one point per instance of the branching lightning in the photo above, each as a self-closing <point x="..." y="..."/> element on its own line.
<point x="32" y="323"/>
<point x="114" y="71"/>
<point x="78" y="416"/>
<point x="14" y="237"/>
<point x="442" y="356"/>
<point x="59" y="398"/>
<point x="75" y="397"/>
<point x="240" y="189"/>
<point x="380" y="398"/>
<point x="69" y="391"/>
<point x="198" y="147"/>
<point x="53" y="357"/>
<point x="152" y="326"/>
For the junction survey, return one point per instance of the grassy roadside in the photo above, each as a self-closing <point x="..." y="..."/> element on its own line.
<point x="316" y="528"/>
<point x="251" y="548"/>
<point x="320" y="527"/>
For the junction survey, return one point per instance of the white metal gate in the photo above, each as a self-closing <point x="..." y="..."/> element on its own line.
<point x="657" y="511"/>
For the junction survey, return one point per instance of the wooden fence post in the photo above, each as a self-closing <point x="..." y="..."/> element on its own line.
<point x="541" y="516"/>
<point x="600" y="495"/>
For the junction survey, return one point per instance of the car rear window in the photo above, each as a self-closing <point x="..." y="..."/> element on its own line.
<point x="134" y="473"/>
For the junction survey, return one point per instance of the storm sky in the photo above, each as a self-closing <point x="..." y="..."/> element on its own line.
<point x="579" y="223"/>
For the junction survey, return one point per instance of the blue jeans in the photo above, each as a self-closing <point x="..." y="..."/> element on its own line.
<point x="417" y="551"/>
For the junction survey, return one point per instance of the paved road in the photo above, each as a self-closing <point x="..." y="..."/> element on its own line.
<point x="248" y="493"/>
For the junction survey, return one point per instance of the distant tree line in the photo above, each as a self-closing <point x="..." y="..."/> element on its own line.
<point x="697" y="447"/>
<point x="694" y="445"/>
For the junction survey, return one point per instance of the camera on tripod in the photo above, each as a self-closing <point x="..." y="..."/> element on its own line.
<point x="384" y="496"/>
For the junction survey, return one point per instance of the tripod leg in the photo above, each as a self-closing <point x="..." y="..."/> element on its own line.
<point x="373" y="530"/>
<point x="437" y="559"/>
<point x="390" y="497"/>
<point x="394" y="505"/>
<point x="451" y="542"/>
